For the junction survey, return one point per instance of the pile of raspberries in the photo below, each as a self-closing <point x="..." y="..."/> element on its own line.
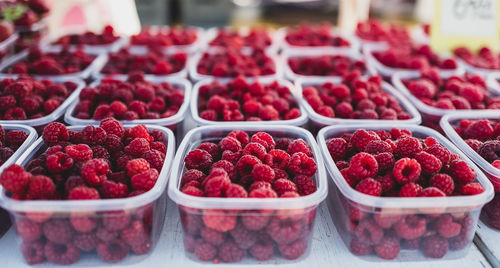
<point x="153" y="62"/>
<point x="355" y="98"/>
<point x="164" y="36"/>
<point x="10" y="141"/>
<point x="52" y="63"/>
<point x="239" y="100"/>
<point x="132" y="99"/>
<point x="485" y="58"/>
<point x="455" y="93"/>
<point x="244" y="166"/>
<point x="107" y="36"/>
<point x="255" y="38"/>
<point x="375" y="31"/>
<point x="306" y="35"/>
<point x="413" y="57"/>
<point x="233" y="63"/>
<point x="27" y="98"/>
<point x="326" y="65"/>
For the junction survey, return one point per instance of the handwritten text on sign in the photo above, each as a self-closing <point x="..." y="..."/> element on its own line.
<point x="469" y="17"/>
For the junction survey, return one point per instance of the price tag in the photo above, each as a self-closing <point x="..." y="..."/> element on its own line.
<point x="470" y="23"/>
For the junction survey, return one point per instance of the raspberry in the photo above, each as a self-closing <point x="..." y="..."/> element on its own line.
<point x="410" y="189"/>
<point x="100" y="152"/>
<point x="294" y="250"/>
<point x="447" y="228"/>
<point x="255" y="149"/>
<point x="106" y="235"/>
<point x="93" y="135"/>
<point x="137" y="147"/>
<point x="111" y="189"/>
<point x="301" y="164"/>
<point x="369" y="232"/>
<point x="385" y="161"/>
<point x="431" y="192"/>
<point x="33" y="252"/>
<point x="369" y="186"/>
<point x="462" y="172"/>
<point x="113" y="143"/>
<point x="15" y="138"/>
<point x="112" y="251"/>
<point x="337" y="148"/>
<point x="406" y="170"/>
<point x="86" y="242"/>
<point x="265" y="139"/>
<point x="429" y="163"/>
<point x="262" y="250"/>
<point x="80" y="152"/>
<point x="363" y="165"/>
<point x="55" y="132"/>
<point x="443" y="182"/>
<point x="299" y="145"/>
<point x="282" y="186"/>
<point x="472" y="188"/>
<point x="260" y="184"/>
<point x="232" y="157"/>
<point x="215" y="186"/>
<point x="388" y="248"/>
<point x="61" y="254"/>
<point x="386" y="220"/>
<point x="228" y="167"/>
<point x="263" y="193"/>
<point x="83" y="193"/>
<point x="305" y="185"/>
<point x="387" y="183"/>
<point x="14" y="179"/>
<point x="411" y="227"/>
<point x="28" y="230"/>
<point x="440" y="152"/>
<point x="377" y="147"/>
<point x="230" y="143"/>
<point x="246" y="163"/>
<point x="236" y="191"/>
<point x="134" y="234"/>
<point x="474" y="144"/>
<point x="285" y="232"/>
<point x="480" y="130"/>
<point x="139" y="131"/>
<point x="244" y="238"/>
<point x="359" y="248"/>
<point x="41" y="187"/>
<point x="115" y="220"/>
<point x="136" y="166"/>
<point x="204" y="251"/>
<point x="83" y="223"/>
<point x="241" y="136"/>
<point x="219" y="220"/>
<point x="192" y="190"/>
<point x="230" y="252"/>
<point x="58" y="231"/>
<point x="262" y="172"/>
<point x="192" y="175"/>
<point x="198" y="159"/>
<point x="94" y="171"/>
<point x="145" y="180"/>
<point x="361" y="138"/>
<point x="211" y="148"/>
<point x="59" y="162"/>
<point x="408" y="147"/>
<point x="434" y="246"/>
<point x="157" y="145"/>
<point x="490" y="150"/>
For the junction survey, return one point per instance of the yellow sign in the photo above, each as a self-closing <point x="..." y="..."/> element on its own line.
<point x="469" y="23"/>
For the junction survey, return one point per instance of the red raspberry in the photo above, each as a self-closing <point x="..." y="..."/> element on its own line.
<point x="255" y="220"/>
<point x="111" y="189"/>
<point x="211" y="148"/>
<point x="106" y="235"/>
<point x="230" y="252"/>
<point x="61" y="254"/>
<point x="83" y="223"/>
<point x="112" y="126"/>
<point x="386" y="220"/>
<point x="359" y="248"/>
<point x="285" y="232"/>
<point x="443" y="182"/>
<point x="277" y="159"/>
<point x="429" y="163"/>
<point x="192" y="190"/>
<point x="155" y="159"/>
<point x="369" y="186"/>
<point x="86" y="242"/>
<point x="490" y="150"/>
<point x="294" y="250"/>
<point x="246" y="164"/>
<point x="410" y="189"/>
<point x="363" y="165"/>
<point x="406" y="170"/>
<point x="434" y="246"/>
<point x="213" y="237"/>
<point x="480" y="130"/>
<point x="80" y="152"/>
<point x="112" y="251"/>
<point x="137" y="147"/>
<point x="411" y="227"/>
<point x="230" y="143"/>
<point x="301" y="164"/>
<point x="215" y="186"/>
<point x="369" y="232"/>
<point x="113" y="143"/>
<point x="94" y="171"/>
<point x="100" y="152"/>
<point x="15" y="138"/>
<point x="192" y="175"/>
<point x="58" y="231"/>
<point x="282" y="186"/>
<point x="228" y="167"/>
<point x="28" y="230"/>
<point x="204" y="251"/>
<point x="219" y="220"/>
<point x="93" y="136"/>
<point x="265" y="139"/>
<point x="236" y="191"/>
<point x="136" y="166"/>
<point x="260" y="184"/>
<point x="337" y="148"/>
<point x="361" y="138"/>
<point x="198" y="159"/>
<point x="388" y="248"/>
<point x="244" y="238"/>
<point x="262" y="172"/>
<point x="41" y="187"/>
<point x="134" y="234"/>
<point x="14" y="179"/>
<point x="447" y="228"/>
<point x="241" y="136"/>
<point x="462" y="172"/>
<point x="157" y="145"/>
<point x="59" y="162"/>
<point x="472" y="188"/>
<point x="385" y="161"/>
<point x="263" y="193"/>
<point x="474" y="144"/>
<point x="145" y="180"/>
<point x="408" y="147"/>
<point x="55" y="132"/>
<point x="299" y="145"/>
<point x="387" y="183"/>
<point x="83" y="193"/>
<point x="139" y="131"/>
<point x="431" y="192"/>
<point x="280" y="174"/>
<point x="305" y="185"/>
<point x="255" y="149"/>
<point x="232" y="157"/>
<point x="440" y="152"/>
<point x="377" y="146"/>
<point x="33" y="252"/>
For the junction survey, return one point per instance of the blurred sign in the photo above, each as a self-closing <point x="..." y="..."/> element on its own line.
<point x="470" y="23"/>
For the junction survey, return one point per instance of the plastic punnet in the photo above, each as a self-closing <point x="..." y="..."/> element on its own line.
<point x="190" y="49"/>
<point x="354" y="44"/>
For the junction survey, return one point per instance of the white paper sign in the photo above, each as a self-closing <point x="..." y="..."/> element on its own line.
<point x="474" y="18"/>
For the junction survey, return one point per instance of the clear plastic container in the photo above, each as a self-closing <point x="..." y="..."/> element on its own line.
<point x="196" y="77"/>
<point x="96" y="64"/>
<point x="40" y="123"/>
<point x="448" y="122"/>
<point x="321" y="120"/>
<point x="91" y="49"/>
<point x="291" y="75"/>
<point x="257" y="210"/>
<point x="170" y="122"/>
<point x="7" y="46"/>
<point x="190" y="49"/>
<point x="353" y="211"/>
<point x="492" y="83"/>
<point x="354" y="44"/>
<point x="388" y="72"/>
<point x="211" y="33"/>
<point x="116" y="214"/>
<point x="299" y="121"/>
<point x="476" y="70"/>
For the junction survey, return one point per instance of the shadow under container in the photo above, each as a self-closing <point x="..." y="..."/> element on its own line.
<point x="60" y="223"/>
<point x="491" y="212"/>
<point x="363" y="218"/>
<point x="228" y="215"/>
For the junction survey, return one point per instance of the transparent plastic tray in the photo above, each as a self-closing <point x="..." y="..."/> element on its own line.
<point x="492" y="83"/>
<point x="291" y="75"/>
<point x="476" y="70"/>
<point x="184" y="85"/>
<point x="211" y="33"/>
<point x="322" y="120"/>
<point x="96" y="64"/>
<point x="257" y="208"/>
<point x="7" y="46"/>
<point x="354" y="44"/>
<point x="299" y="121"/>
<point x="190" y="49"/>
<point x="150" y="204"/>
<point x="344" y="200"/>
<point x="91" y="49"/>
<point x="32" y="135"/>
<point x="405" y="73"/>
<point x="57" y="113"/>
